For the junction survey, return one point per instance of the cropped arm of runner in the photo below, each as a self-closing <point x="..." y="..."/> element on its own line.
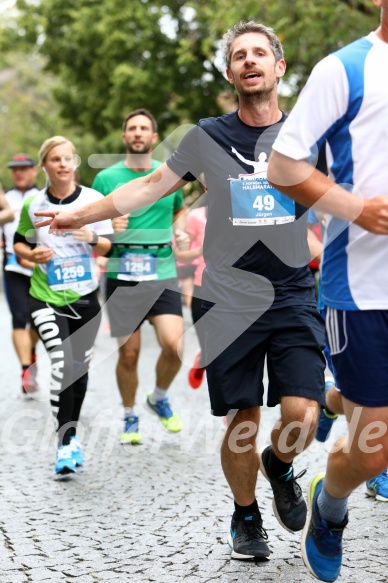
<point x="38" y="254"/>
<point x="6" y="214"/>
<point x="120" y="224"/>
<point x="315" y="245"/>
<point x="26" y="263"/>
<point x="182" y="238"/>
<point x="302" y="182"/>
<point x="131" y="196"/>
<point x="188" y="255"/>
<point x="25" y="245"/>
<point x="322" y="103"/>
<point x="102" y="244"/>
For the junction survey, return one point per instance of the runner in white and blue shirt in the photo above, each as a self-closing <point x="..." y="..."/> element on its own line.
<point x="17" y="272"/>
<point x="350" y="113"/>
<point x="341" y="104"/>
<point x="345" y="102"/>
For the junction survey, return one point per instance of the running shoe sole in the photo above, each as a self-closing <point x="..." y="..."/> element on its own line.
<point x="240" y="557"/>
<point x="65" y="472"/>
<point x="131" y="439"/>
<point x="373" y="494"/>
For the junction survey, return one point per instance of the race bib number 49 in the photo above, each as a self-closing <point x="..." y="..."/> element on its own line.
<point x="68" y="272"/>
<point x="256" y="202"/>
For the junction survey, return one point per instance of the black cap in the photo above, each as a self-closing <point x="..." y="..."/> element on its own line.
<point x="21" y="160"/>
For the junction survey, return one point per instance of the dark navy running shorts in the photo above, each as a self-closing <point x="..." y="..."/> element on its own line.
<point x="130" y="303"/>
<point x="358" y="343"/>
<point x="290" y="339"/>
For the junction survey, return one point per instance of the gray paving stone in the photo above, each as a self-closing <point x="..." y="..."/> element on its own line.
<point x="44" y="575"/>
<point x="14" y="577"/>
<point x="82" y="579"/>
<point x="32" y="561"/>
<point x="7" y="564"/>
<point x="158" y="512"/>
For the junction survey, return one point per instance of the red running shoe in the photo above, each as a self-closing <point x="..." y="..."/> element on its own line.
<point x="29" y="384"/>
<point x="197" y="372"/>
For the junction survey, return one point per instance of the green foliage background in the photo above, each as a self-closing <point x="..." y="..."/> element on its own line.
<point x="77" y="67"/>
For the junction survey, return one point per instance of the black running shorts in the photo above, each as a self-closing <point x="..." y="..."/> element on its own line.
<point x="290" y="339"/>
<point x="130" y="303"/>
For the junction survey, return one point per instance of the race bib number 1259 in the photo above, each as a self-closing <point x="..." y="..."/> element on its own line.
<point x="68" y="272"/>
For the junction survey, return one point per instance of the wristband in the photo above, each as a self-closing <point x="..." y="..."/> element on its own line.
<point x="94" y="241"/>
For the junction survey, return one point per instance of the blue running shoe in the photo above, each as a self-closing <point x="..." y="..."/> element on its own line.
<point x="65" y="463"/>
<point x="321" y="542"/>
<point x="76" y="451"/>
<point x="131" y="432"/>
<point x="162" y="409"/>
<point x="326" y="420"/>
<point x="378" y="487"/>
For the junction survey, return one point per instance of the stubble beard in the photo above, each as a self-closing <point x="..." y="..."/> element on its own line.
<point x="258" y="97"/>
<point x="144" y="150"/>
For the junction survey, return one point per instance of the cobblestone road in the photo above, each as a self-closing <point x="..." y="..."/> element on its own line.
<point x="155" y="512"/>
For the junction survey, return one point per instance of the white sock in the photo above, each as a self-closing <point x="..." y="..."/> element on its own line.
<point x="158" y="394"/>
<point x="131" y="412"/>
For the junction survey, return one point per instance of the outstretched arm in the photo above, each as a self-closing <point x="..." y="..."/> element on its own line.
<point x="300" y="181"/>
<point x="129" y="197"/>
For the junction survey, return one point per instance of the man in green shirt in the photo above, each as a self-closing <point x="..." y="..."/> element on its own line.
<point x="141" y="278"/>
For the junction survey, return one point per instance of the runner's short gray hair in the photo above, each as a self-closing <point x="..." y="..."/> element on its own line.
<point x="246" y="27"/>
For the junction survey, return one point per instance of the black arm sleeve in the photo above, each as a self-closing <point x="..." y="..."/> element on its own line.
<point x="111" y="239"/>
<point x="18" y="238"/>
